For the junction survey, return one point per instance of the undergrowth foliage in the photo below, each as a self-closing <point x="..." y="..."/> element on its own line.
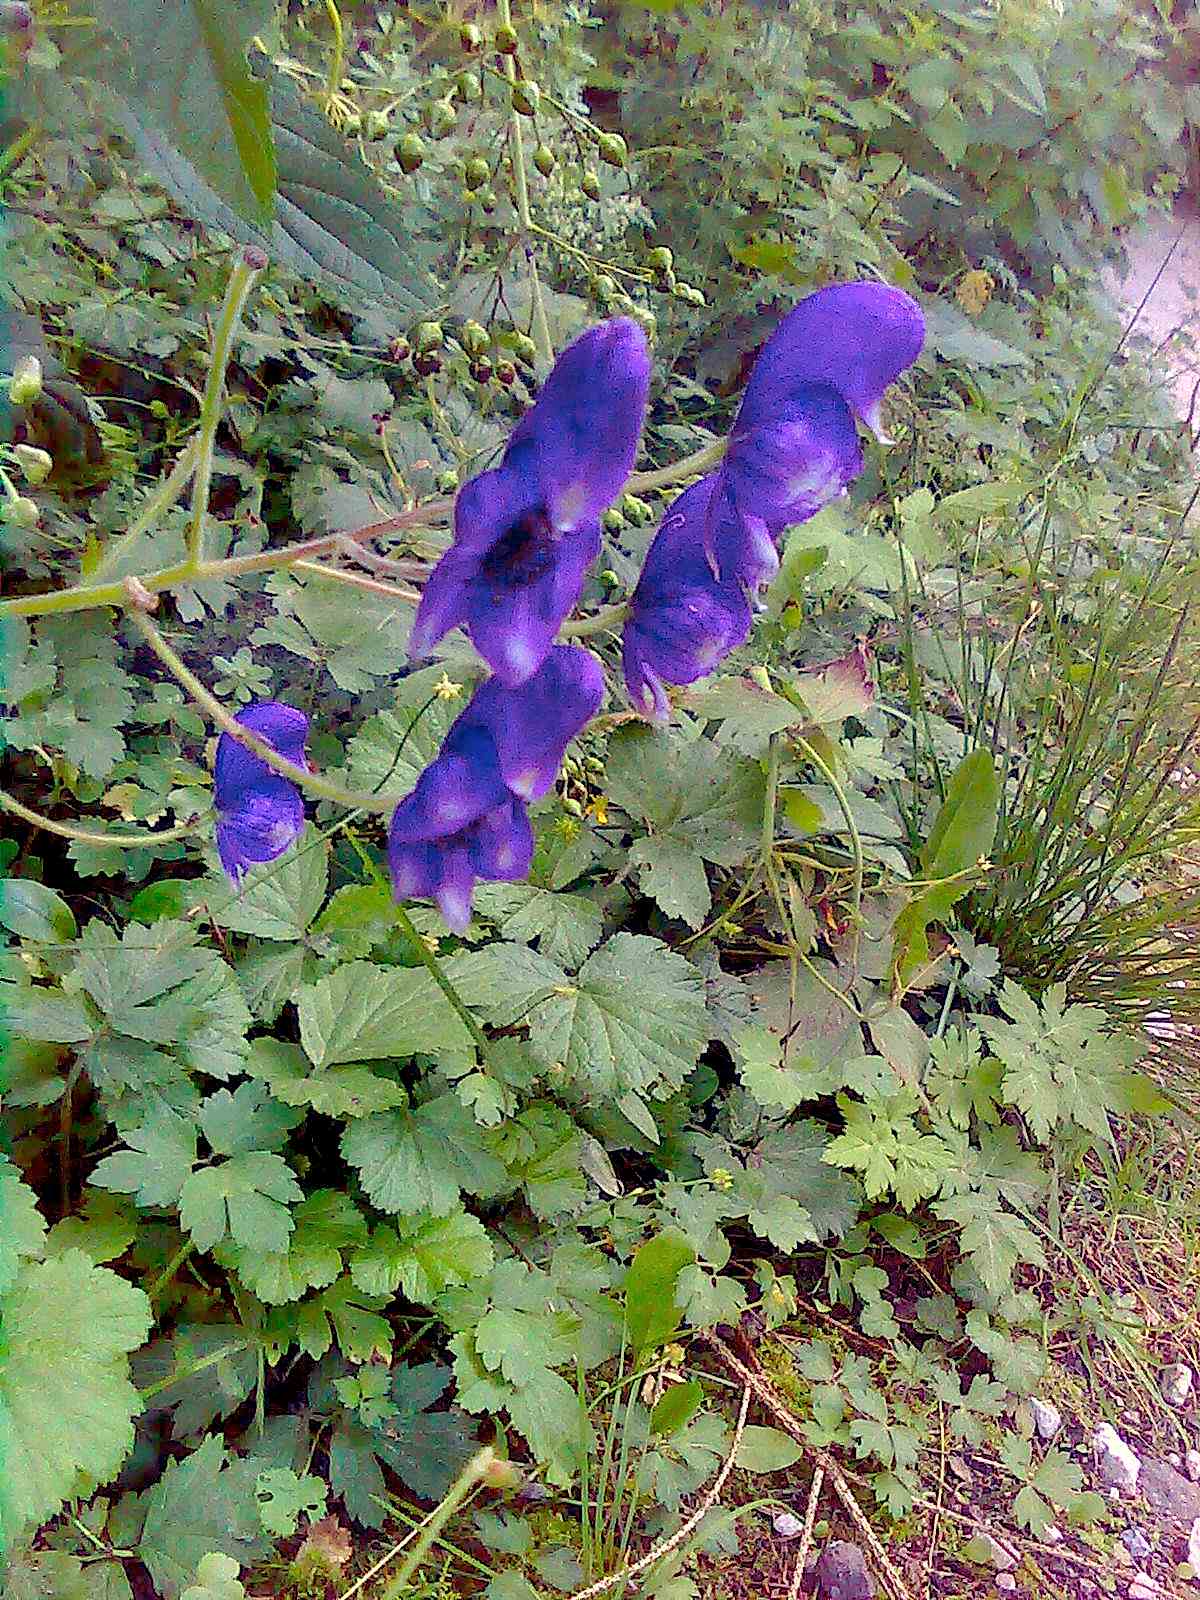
<point x="400" y="1079"/>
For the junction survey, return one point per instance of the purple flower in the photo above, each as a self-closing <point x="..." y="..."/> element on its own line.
<point x="526" y="532"/>
<point x="466" y="819"/>
<point x="683" y="621"/>
<point x="794" y="446"/>
<point x="259" y="811"/>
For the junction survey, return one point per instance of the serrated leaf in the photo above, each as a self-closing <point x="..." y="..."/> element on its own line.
<point x="216" y="1579"/>
<point x="672" y="874"/>
<point x="32" y="911"/>
<point x="245" y="1197"/>
<point x="635" y="1020"/>
<point x="421" y="1161"/>
<point x="333" y="1091"/>
<point x="346" y="1314"/>
<point x="565" y="926"/>
<point x="363" y="1012"/>
<point x="279" y="900"/>
<point x="22" y="1226"/>
<point x="326" y="1225"/>
<point x="424" y="1260"/>
<point x="284" y="1497"/>
<point x="68" y="1328"/>
<point x="154" y="1168"/>
<point x="202" y="1504"/>
<point x="247" y="1119"/>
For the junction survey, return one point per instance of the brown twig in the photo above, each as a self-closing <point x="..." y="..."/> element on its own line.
<point x="810" y="1517"/>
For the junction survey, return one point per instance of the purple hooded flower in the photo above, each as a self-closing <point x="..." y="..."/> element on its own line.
<point x="526" y="532"/>
<point x="466" y="818"/>
<point x="259" y="811"/>
<point x="682" y="620"/>
<point x="794" y="446"/>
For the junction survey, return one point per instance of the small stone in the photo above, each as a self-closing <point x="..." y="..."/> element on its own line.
<point x="994" y="1552"/>
<point x="1175" y="1458"/>
<point x="787" y="1526"/>
<point x="1005" y="1582"/>
<point x="1169" y="1493"/>
<point x="1191" y="1465"/>
<point x="1047" y="1418"/>
<point x="1116" y="1464"/>
<point x="1143" y="1587"/>
<point x="1051" y="1534"/>
<point x="1175" y="1383"/>
<point x="842" y="1573"/>
<point x="1193" y="1546"/>
<point x="1136" y="1542"/>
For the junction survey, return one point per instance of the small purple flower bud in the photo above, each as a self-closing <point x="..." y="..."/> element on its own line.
<point x="259" y="811"/>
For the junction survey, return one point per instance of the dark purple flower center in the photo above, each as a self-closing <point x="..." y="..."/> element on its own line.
<point x="522" y="554"/>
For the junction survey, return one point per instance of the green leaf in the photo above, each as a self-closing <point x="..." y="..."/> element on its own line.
<point x="278" y="900"/>
<point x="672" y="874"/>
<point x="992" y="1239"/>
<point x="962" y="833"/>
<point x="634" y="1020"/>
<point x="195" y="86"/>
<point x="160" y="1156"/>
<point x="247" y="1119"/>
<point x="767" y="1450"/>
<point x="284" y="1497"/>
<point x="346" y="1314"/>
<point x="44" y="1014"/>
<point x="333" y="224"/>
<point x="32" y="911"/>
<point x="68" y="1328"/>
<point x="333" y="1091"/>
<point x="245" y="1197"/>
<point x="22" y="1227"/>
<point x="201" y="1505"/>
<point x="363" y="1012"/>
<point x="326" y="1224"/>
<point x="565" y="926"/>
<point x="216" y="1579"/>
<point x="675" y="1408"/>
<point x="104" y="1228"/>
<point x="424" y="1260"/>
<point x="651" y="1315"/>
<point x="421" y="1161"/>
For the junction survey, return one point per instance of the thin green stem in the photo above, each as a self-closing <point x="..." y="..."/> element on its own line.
<point x="158" y="501"/>
<point x="17" y="149"/>
<point x="171" y="1268"/>
<point x="241" y="281"/>
<point x="692" y="466"/>
<point x="67" y="830"/>
<point x="541" y="327"/>
<point x="839" y="792"/>
<point x="337" y="65"/>
<point x="471" y="1476"/>
<point x="352" y="799"/>
<point x="438" y="974"/>
<point x="604" y="619"/>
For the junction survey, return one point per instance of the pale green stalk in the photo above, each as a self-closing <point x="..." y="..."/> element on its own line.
<point x="541" y="328"/>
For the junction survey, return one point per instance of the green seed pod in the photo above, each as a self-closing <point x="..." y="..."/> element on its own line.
<point x="623" y="304"/>
<point x="660" y="259"/>
<point x="473" y="337"/>
<point x="489" y="200"/>
<point x="636" y="510"/>
<point x="428" y="336"/>
<point x="160" y="410"/>
<point x="647" y="321"/>
<point x="590" y="184"/>
<point x="543" y="160"/>
<point x="594" y="765"/>
<point x="410" y="152"/>
<point x="376" y="125"/>
<point x="613" y="149"/>
<point x="507" y="41"/>
<point x="613" y="520"/>
<point x="36" y="465"/>
<point x="481" y="370"/>
<point x="468" y="88"/>
<point x="524" y="348"/>
<point x="476" y="172"/>
<point x="604" y="286"/>
<point x="572" y="806"/>
<point x="441" y="117"/>
<point x="447" y="481"/>
<point x="20" y="511"/>
<point x="470" y="37"/>
<point x="399" y="350"/>
<point x="26" y="382"/>
<point x="506" y="373"/>
<point x="427" y="362"/>
<point x="526" y="96"/>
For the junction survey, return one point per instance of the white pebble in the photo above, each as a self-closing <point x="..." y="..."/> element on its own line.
<point x="787" y="1526"/>
<point x="1191" y="1465"/>
<point x="1174" y="1458"/>
<point x="1116" y="1464"/>
<point x="1005" y="1582"/>
<point x="1051" y="1534"/>
<point x="1193" y="1554"/>
<point x="1047" y="1418"/>
<point x="1175" y="1382"/>
<point x="1143" y="1587"/>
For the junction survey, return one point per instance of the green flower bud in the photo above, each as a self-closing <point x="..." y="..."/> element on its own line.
<point x="623" y="304"/>
<point x="428" y="336"/>
<point x="604" y="286"/>
<point x="636" y="510"/>
<point x="543" y="160"/>
<point x="20" y="511"/>
<point x="399" y="350"/>
<point x="441" y="117"/>
<point x="468" y="87"/>
<point x="524" y="348"/>
<point x="476" y="172"/>
<point x="594" y="765"/>
<point x="506" y="373"/>
<point x="473" y="337"/>
<point x="572" y="807"/>
<point x="410" y="152"/>
<point x="613" y="520"/>
<point x="489" y="200"/>
<point x="447" y="481"/>
<point x="36" y="465"/>
<point x="470" y="37"/>
<point x="590" y="184"/>
<point x="647" y="321"/>
<point x="376" y="125"/>
<point x="26" y="382"/>
<point x="613" y="149"/>
<point x="469" y="196"/>
<point x="526" y="96"/>
<point x="660" y="259"/>
<point x="507" y="41"/>
<point x="351" y="123"/>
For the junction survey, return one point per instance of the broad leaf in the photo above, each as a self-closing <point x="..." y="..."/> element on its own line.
<point x="363" y="1012"/>
<point x="203" y="1504"/>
